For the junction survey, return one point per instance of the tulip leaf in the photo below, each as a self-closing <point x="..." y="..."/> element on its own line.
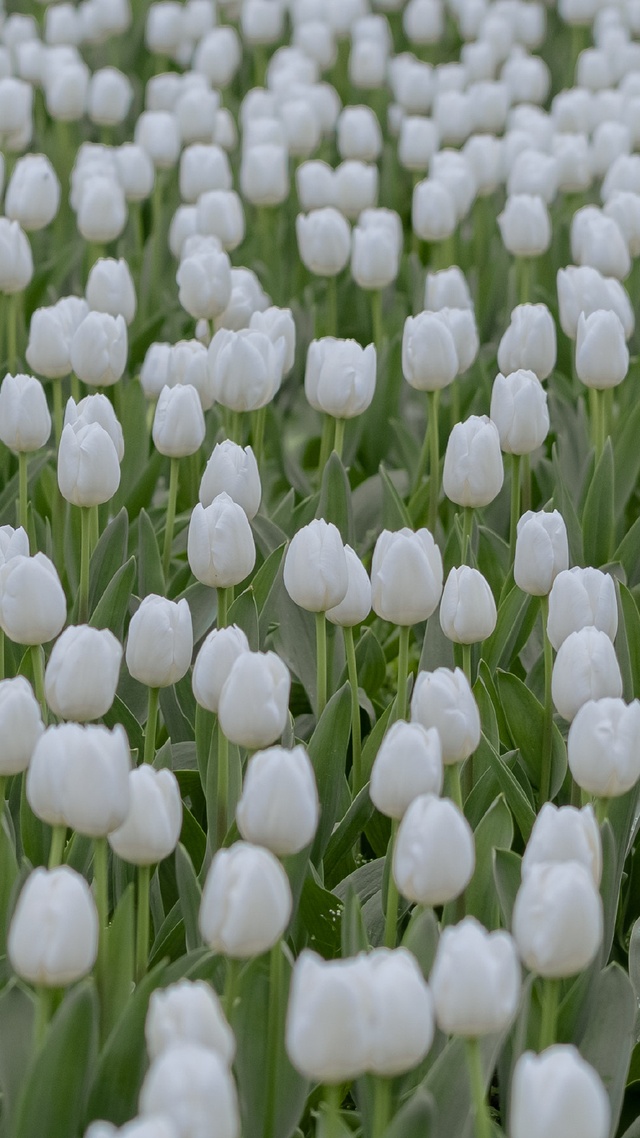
<point x="371" y="663"/>
<point x="448" y="1082"/>
<point x="119" y="966"/>
<point x="108" y="555"/>
<point x="634" y="963"/>
<point x="415" y="1119"/>
<point x="517" y="800"/>
<point x="150" y="574"/>
<point x="506" y="875"/>
<point x="500" y="646"/>
<point x="631" y="637"/>
<point x="335" y="499"/>
<point x="142" y="491"/>
<point x="178" y="726"/>
<point x="244" y="613"/>
<point x="190" y="894"/>
<point x="17" y="1016"/>
<point x="320" y="912"/>
<point x="421" y="937"/>
<point x="598" y="515"/>
<point x="113" y="606"/>
<point x="609" y="1036"/>
<point x="495" y="831"/>
<point x="353" y="935"/>
<point x="55" y="1088"/>
<point x="8" y="877"/>
<point x="34" y="834"/>
<point x="563" y="502"/>
<point x="525" y="718"/>
<point x="626" y="455"/>
<point x="346" y="834"/>
<point x="366" y="880"/>
<point x="327" y="750"/>
<point x="628" y="553"/>
<point x="395" y="514"/>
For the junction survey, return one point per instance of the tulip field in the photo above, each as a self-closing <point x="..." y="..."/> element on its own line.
<point x="320" y="569"/>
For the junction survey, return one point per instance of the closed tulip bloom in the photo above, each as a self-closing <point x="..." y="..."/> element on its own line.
<point x="110" y="96"/>
<point x="525" y="225"/>
<point x="82" y="673"/>
<point x="624" y="208"/>
<point x="110" y="288"/>
<point x="254" y="702"/>
<point x="374" y="257"/>
<point x="315" y="186"/>
<point x="579" y="598"/>
<point x="467" y="607"/>
<point x="247" y="297"/>
<point x="356" y="187"/>
<point x="203" y="168"/>
<point x="33" y="607"/>
<point x="433" y="211"/>
<point x="400" y="1007"/>
<point x="246" y="901"/>
<point x="160" y="641"/>
<point x="204" y="282"/>
<point x="408" y="764"/>
<point x="475" y="980"/>
<point x="16" y="261"/>
<point x="315" y="567"/>
<point x="20" y="725"/>
<point x="25" y="422"/>
<point x="429" y="356"/>
<point x="151" y="829"/>
<point x="192" y="1086"/>
<point x="461" y="322"/>
<point x="12" y="543"/>
<point x="434" y="854"/>
<point x="220" y="214"/>
<point x="443" y="699"/>
<point x="586" y="668"/>
<point x="213" y="664"/>
<point x="473" y="472"/>
<point x="406" y="576"/>
<point x="597" y="240"/>
<point x="277" y="323"/>
<point x="97" y="409"/>
<point x="188" y="1011"/>
<point x="519" y="411"/>
<point x="557" y="919"/>
<point x="66" y="89"/>
<point x="279" y="806"/>
<point x="328" y="1035"/>
<point x="542" y="551"/>
<point x="324" y="241"/>
<point x="529" y="342"/>
<point x="232" y="470"/>
<point x="602" y="356"/>
<point x="178" y="423"/>
<point x="340" y="376"/>
<point x="355" y="606"/>
<point x="604" y="746"/>
<point x="220" y="545"/>
<point x="246" y="368"/>
<point x="218" y="55"/>
<point x="158" y="133"/>
<point x="135" y="171"/>
<point x="58" y="900"/>
<point x="582" y="289"/>
<point x="33" y="193"/>
<point x="417" y="143"/>
<point x="564" y="833"/>
<point x="447" y="288"/>
<point x="99" y="349"/>
<point x="102" y="209"/>
<point x="79" y="775"/>
<point x="358" y="134"/>
<point x="264" y="174"/>
<point x="88" y="465"/>
<point x="50" y="336"/>
<point x="556" y="1094"/>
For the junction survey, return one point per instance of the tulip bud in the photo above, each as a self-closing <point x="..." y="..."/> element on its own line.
<point x="603" y="746"/>
<point x="473" y="472"/>
<point x="99" y="349"/>
<point x="602" y="356"/>
<point x="443" y="699"/>
<point x="110" y="288"/>
<point x="556" y="1094"/>
<point x="533" y="176"/>
<point x="406" y="576"/>
<point x="597" y="240"/>
<point x="88" y="465"/>
<point x="264" y="174"/>
<point x="434" y="853"/>
<point x="25" y="422"/>
<point x="584" y="290"/>
<point x="79" y="777"/>
<point x="585" y="669"/>
<point x="214" y="662"/>
<point x="203" y="168"/>
<point x="277" y="323"/>
<point x="340" y="376"/>
<point x="519" y="411"/>
<point x="187" y="1084"/>
<point x="220" y="545"/>
<point x="232" y="470"/>
<point x="110" y="96"/>
<point x="525" y="225"/>
<point x="135" y="171"/>
<point x="220" y="214"/>
<point x="356" y="187"/>
<point x="433" y="211"/>
<point x="447" y="288"/>
<point x="33" y="193"/>
<point x="82" y="673"/>
<point x="190" y="1012"/>
<point x="279" y="805"/>
<point x="102" y="209"/>
<point x="246" y="368"/>
<point x="355" y="606"/>
<point x="557" y="919"/>
<point x="328" y="1036"/>
<point x="467" y="608"/>
<point x="158" y="133"/>
<point x="315" y="567"/>
<point x="50" y="335"/>
<point x="475" y="980"/>
<point x="375" y="256"/>
<point x="20" y="725"/>
<point x="65" y="90"/>
<point x="247" y="297"/>
<point x="16" y="261"/>
<point x="160" y="641"/>
<point x="33" y="607"/>
<point x="60" y="901"/>
<point x="401" y="1010"/>
<point x="151" y="829"/>
<point x="564" y="833"/>
<point x="254" y="701"/>
<point x="246" y="901"/>
<point x="358" y="134"/>
<point x="453" y="170"/>
<point x="579" y="598"/>
<point x="529" y="342"/>
<point x="178" y="423"/>
<point x="13" y="542"/>
<point x="542" y="551"/>
<point x="96" y="409"/>
<point x="204" y="281"/>
<point x="407" y="765"/>
<point x="429" y="356"/>
<point x="324" y="241"/>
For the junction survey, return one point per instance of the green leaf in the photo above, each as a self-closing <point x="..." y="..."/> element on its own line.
<point x="353" y="935"/>
<point x="506" y="875"/>
<point x="598" y="515"/>
<point x="448" y="1083"/>
<point x="347" y="833"/>
<point x="366" y="881"/>
<point x="370" y="662"/>
<point x="113" y="606"/>
<point x="627" y="459"/>
<point x="190" y="896"/>
<point x="17" y="1016"/>
<point x="525" y="719"/>
<point x="150" y="574"/>
<point x="327" y="751"/>
<point x="142" y="491"/>
<point x="8" y="878"/>
<point x="335" y="499"/>
<point x="320" y="913"/>
<point x="517" y="800"/>
<point x="609" y="1037"/>
<point x="119" y="960"/>
<point x="499" y="647"/>
<point x="563" y="502"/>
<point x="395" y="514"/>
<point x="421" y="937"/>
<point x="244" y="613"/>
<point x="108" y="555"/>
<point x="495" y="831"/>
<point x="34" y="834"/>
<point x="634" y="962"/>
<point x="120" y="713"/>
<point x="55" y="1089"/>
<point x="631" y="623"/>
<point x="628" y="553"/>
<point x="415" y="1119"/>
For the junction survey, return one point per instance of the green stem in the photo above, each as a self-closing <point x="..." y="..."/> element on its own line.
<point x="550" y="1000"/>
<point x="453" y="784"/>
<point x="466" y="661"/>
<point x="467" y="524"/>
<point x="101" y="897"/>
<point x="1" y="654"/>
<point x="257" y="434"/>
<point x="381" y="1106"/>
<point x="142" y="921"/>
<point x="476" y="1079"/>
<point x="58" y="839"/>
<point x="376" y="319"/>
<point x="331" y="1128"/>
<point x="223" y="608"/>
<point x="423" y="456"/>
<point x="339" y="436"/>
<point x="356" y="737"/>
<point x="171" y="515"/>
<point x="38" y="679"/>
<point x="515" y="505"/>
<point x="94" y="528"/>
<point x="328" y="431"/>
<point x="332" y="306"/>
<point x="321" y="663"/>
<point x="12" y="319"/>
<point x="151" y="725"/>
<point x="76" y="393"/>
<point x="230" y="985"/>
<point x="547" y="729"/>
<point x="525" y="266"/>
<point x="23" y="497"/>
<point x="391" y="910"/>
<point x="83" y="595"/>
<point x="403" y="671"/>
<point x="222" y="790"/>
<point x="44" y="1008"/>
<point x="601" y="808"/>
<point x="58" y="417"/>
<point x="526" y="483"/>
<point x="433" y="399"/>
<point x="274" y="1037"/>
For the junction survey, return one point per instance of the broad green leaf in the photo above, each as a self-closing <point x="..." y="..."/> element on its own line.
<point x="598" y="516"/>
<point x="495" y="831"/>
<point x="370" y="661"/>
<point x="609" y="1036"/>
<point x="634" y="962"/>
<point x="109" y="554"/>
<point x="626" y="456"/>
<point x="120" y="713"/>
<point x="335" y="499"/>
<point x="421" y="937"/>
<point x="150" y="574"/>
<point x="35" y="835"/>
<point x="320" y="912"/>
<point x="142" y="491"/>
<point x="525" y="719"/>
<point x="17" y="1016"/>
<point x="244" y="613"/>
<point x="563" y="502"/>
<point x="498" y="648"/>
<point x="631" y="623"/>
<point x="55" y="1089"/>
<point x="190" y="895"/>
<point x="517" y="800"/>
<point x="415" y="1119"/>
<point x="365" y="881"/>
<point x="8" y="877"/>
<point x="176" y="723"/>
<point x="327" y="751"/>
<point x="119" y="962"/>
<point x="353" y="936"/>
<point x="628" y="553"/>
<point x="113" y="606"/>
<point x="394" y="512"/>
<point x="506" y="875"/>
<point x="448" y="1083"/>
<point x="347" y="833"/>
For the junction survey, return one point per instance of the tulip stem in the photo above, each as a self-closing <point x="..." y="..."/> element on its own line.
<point x="230" y="985"/>
<point x="101" y="896"/>
<point x="598" y="425"/>
<point x="515" y="505"/>
<point x="467" y="525"/>
<point x="12" y="317"/>
<point x="171" y="515"/>
<point x="547" y="729"/>
<point x="85" y="558"/>
<point x="23" y="459"/>
<point x="376" y="318"/>
<point x="57" y="409"/>
<point x="257" y="432"/>
<point x="222" y="795"/>
<point x="275" y="1041"/>
<point x="38" y="679"/>
<point x="433" y="399"/>
<point x="142" y="926"/>
<point x="549" y="1000"/>
<point x="44" y="1007"/>
<point x="56" y="850"/>
<point x="332" y="306"/>
<point x="476" y="1079"/>
<point x="466" y="662"/>
<point x="321" y="663"/>
<point x="403" y="671"/>
<point x="328" y="431"/>
<point x="339" y="436"/>
<point x="526" y="483"/>
<point x="453" y="783"/>
<point x="1" y="654"/>
<point x="151" y="725"/>
<point x="331" y="1110"/>
<point x="601" y="809"/>
<point x="223" y="608"/>
<point x="391" y="910"/>
<point x="381" y="1106"/>
<point x="356" y="737"/>
<point x="94" y="528"/>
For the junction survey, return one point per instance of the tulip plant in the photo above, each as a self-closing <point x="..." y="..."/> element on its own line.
<point x="319" y="569"/>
